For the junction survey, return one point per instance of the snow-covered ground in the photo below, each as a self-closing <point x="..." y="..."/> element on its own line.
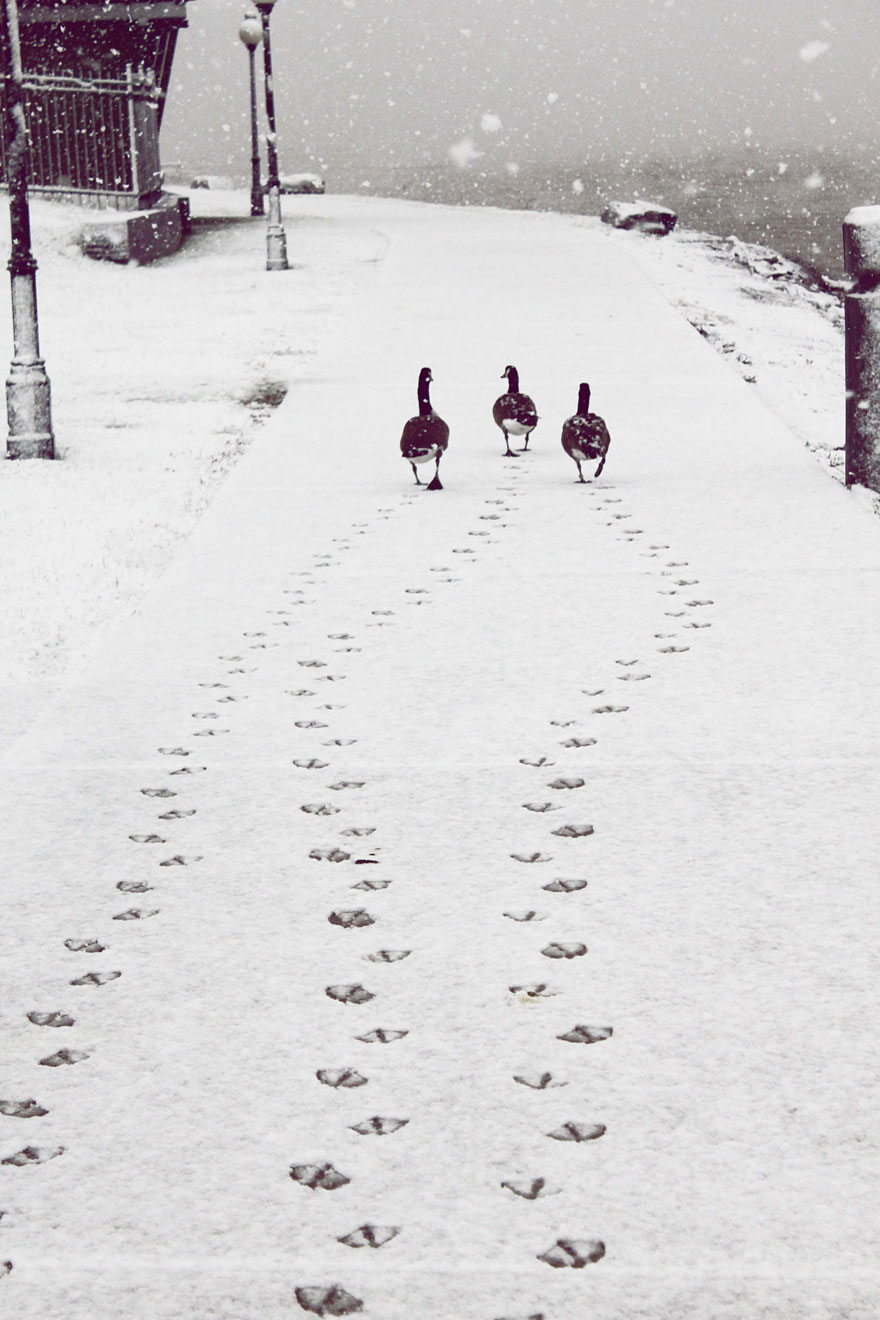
<point x="160" y="377"/>
<point x="181" y="361"/>
<point x="463" y="905"/>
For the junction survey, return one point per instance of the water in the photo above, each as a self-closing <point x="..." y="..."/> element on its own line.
<point x="793" y="202"/>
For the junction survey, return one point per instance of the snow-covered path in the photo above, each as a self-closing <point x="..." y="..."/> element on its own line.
<point x="682" y="657"/>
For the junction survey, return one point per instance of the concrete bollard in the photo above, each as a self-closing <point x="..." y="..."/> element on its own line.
<point x="861" y="251"/>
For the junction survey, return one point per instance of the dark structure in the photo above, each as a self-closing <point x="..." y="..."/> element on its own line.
<point x="95" y="80"/>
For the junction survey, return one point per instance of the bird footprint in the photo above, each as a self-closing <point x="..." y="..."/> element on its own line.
<point x="369" y="1235"/>
<point x="574" y="1253"/>
<point x="530" y="1190"/>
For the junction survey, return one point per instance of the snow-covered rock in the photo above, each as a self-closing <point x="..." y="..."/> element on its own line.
<point x="649" y="217"/>
<point x="302" y="183"/>
<point x="215" y="182"/>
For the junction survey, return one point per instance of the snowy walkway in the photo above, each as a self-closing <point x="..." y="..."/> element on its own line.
<point x="430" y="688"/>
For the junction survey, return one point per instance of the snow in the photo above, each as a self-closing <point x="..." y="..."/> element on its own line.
<point x="784" y="338"/>
<point x="813" y="50"/>
<point x="695" y="622"/>
<point x="464" y="153"/>
<point x="863" y="215"/>
<point x="151" y="408"/>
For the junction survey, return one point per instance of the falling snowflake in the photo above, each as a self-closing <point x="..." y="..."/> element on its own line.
<point x="812" y="51"/>
<point x="577" y="186"/>
<point x="490" y="123"/>
<point x="464" y="153"/>
<point x="814" y="181"/>
<point x="512" y="167"/>
<point x="552" y="98"/>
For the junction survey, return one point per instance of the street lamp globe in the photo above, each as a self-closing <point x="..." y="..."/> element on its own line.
<point x="251" y="31"/>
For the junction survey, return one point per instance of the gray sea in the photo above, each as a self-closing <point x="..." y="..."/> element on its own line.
<point x="793" y="202"/>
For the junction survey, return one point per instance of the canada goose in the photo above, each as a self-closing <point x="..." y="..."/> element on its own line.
<point x="585" y="435"/>
<point x="514" y="412"/>
<point x="425" y="436"/>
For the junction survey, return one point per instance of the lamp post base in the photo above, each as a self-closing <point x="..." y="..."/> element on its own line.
<point x="276" y="239"/>
<point x="29" y="411"/>
<point x="276" y="250"/>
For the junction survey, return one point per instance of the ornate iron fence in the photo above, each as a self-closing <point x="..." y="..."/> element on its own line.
<point x="93" y="137"/>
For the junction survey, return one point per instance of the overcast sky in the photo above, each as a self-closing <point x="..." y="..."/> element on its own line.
<point x="403" y="81"/>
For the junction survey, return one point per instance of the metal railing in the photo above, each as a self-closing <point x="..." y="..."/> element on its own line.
<point x="95" y="136"/>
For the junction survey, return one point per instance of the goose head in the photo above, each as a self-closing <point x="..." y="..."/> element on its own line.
<point x="507" y="371"/>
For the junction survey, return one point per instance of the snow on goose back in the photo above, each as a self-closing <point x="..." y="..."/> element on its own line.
<point x="514" y="412"/>
<point x="585" y="436"/>
<point x="426" y="435"/>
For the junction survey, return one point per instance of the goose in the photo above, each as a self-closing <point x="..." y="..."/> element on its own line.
<point x="585" y="435"/>
<point x="514" y="412"/>
<point x="426" y="436"/>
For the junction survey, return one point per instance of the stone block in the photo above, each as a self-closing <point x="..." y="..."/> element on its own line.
<point x="141" y="236"/>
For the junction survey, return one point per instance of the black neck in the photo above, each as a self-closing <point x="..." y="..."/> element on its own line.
<point x="583" y="400"/>
<point x="424" y="396"/>
<point x="513" y="381"/>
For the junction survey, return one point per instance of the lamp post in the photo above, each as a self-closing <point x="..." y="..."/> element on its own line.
<point x="28" y="401"/>
<point x="276" y="240"/>
<point x="251" y="34"/>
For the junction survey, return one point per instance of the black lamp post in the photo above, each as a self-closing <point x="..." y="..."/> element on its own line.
<point x="276" y="240"/>
<point x="251" y="34"/>
<point x="28" y="401"/>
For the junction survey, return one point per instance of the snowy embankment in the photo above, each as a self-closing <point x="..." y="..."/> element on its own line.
<point x="162" y="375"/>
<point x="779" y="329"/>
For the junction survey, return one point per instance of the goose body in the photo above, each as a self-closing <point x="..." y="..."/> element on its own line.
<point x="514" y="412"/>
<point x="585" y="436"/>
<point x="426" y="435"/>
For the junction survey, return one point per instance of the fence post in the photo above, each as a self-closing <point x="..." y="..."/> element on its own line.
<point x="144" y="109"/>
<point x="861" y="249"/>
